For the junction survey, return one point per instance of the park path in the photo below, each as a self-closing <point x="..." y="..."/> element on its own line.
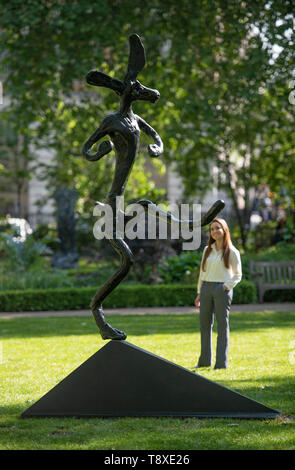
<point x="279" y="307"/>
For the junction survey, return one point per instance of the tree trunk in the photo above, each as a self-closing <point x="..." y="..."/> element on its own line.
<point x="233" y="196"/>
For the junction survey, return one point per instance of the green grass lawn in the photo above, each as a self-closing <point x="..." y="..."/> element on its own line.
<point x="38" y="353"/>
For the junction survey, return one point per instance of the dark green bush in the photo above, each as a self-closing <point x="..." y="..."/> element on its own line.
<point x="181" y="268"/>
<point x="245" y="293"/>
<point x="279" y="296"/>
<point x="122" y="296"/>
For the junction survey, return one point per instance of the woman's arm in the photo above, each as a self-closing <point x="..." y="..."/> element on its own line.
<point x="200" y="281"/>
<point x="236" y="265"/>
<point x="197" y="301"/>
<point x="201" y="275"/>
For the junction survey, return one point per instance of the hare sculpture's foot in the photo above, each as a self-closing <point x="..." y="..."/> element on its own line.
<point x="108" y="332"/>
<point x="105" y="329"/>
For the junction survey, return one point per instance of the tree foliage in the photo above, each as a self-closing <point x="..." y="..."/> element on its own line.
<point x="222" y="69"/>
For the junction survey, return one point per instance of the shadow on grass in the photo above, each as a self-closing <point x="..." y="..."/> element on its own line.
<point x="135" y="325"/>
<point x="147" y="434"/>
<point x="275" y="392"/>
<point x="157" y="433"/>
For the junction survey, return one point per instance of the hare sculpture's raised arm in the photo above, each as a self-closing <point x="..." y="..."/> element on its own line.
<point x="123" y="129"/>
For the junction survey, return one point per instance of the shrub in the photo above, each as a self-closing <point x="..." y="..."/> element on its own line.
<point x="47" y="234"/>
<point x="35" y="279"/>
<point x="245" y="293"/>
<point x="54" y="278"/>
<point x="123" y="296"/>
<point x="21" y="256"/>
<point x="180" y="268"/>
<point x="279" y="296"/>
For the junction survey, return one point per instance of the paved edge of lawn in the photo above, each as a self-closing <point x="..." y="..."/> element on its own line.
<point x="279" y="307"/>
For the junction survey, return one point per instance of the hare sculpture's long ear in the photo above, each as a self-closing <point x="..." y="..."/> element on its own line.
<point x="94" y="77"/>
<point x="136" y="60"/>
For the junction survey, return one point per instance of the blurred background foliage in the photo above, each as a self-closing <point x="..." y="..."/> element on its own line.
<point x="223" y="70"/>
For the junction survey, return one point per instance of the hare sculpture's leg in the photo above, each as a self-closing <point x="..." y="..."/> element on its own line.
<point x="106" y="330"/>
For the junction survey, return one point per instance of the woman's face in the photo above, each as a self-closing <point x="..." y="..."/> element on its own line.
<point x="216" y="231"/>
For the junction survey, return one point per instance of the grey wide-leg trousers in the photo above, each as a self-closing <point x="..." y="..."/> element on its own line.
<point x="214" y="300"/>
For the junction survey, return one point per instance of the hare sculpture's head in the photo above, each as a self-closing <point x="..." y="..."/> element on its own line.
<point x="130" y="89"/>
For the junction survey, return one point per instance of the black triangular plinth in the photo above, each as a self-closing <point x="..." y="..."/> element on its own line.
<point x="123" y="380"/>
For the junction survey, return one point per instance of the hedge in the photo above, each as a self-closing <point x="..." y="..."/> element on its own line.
<point x="122" y="296"/>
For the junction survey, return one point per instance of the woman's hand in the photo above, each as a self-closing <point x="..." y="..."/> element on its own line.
<point x="197" y="301"/>
<point x="224" y="287"/>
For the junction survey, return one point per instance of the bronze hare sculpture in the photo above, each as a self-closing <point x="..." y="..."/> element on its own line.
<point x="123" y="129"/>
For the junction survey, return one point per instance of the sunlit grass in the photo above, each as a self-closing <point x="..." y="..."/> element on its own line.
<point x="39" y="353"/>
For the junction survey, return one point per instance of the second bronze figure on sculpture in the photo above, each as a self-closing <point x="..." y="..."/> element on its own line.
<point x="123" y="128"/>
<point x="220" y="272"/>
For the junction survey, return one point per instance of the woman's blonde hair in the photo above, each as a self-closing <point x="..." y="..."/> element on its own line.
<point x="226" y="243"/>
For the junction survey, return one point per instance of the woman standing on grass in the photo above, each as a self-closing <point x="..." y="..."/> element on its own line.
<point x="220" y="272"/>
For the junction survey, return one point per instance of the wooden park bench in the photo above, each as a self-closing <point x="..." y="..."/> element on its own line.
<point x="273" y="275"/>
